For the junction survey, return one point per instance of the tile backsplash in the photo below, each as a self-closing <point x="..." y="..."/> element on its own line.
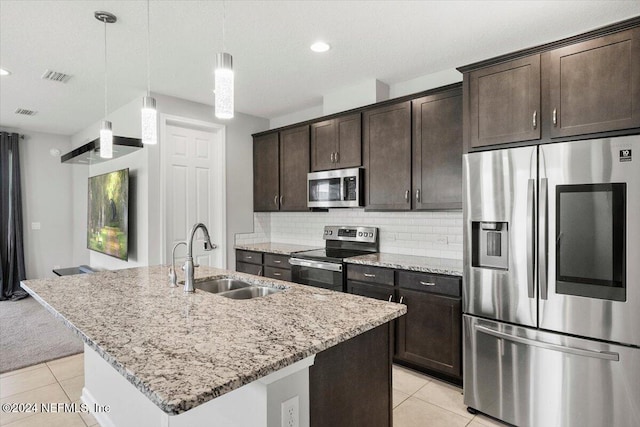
<point x="433" y="234"/>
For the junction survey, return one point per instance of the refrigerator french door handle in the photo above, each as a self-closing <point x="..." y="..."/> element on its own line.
<point x="543" y="231"/>
<point x="605" y="355"/>
<point x="530" y="238"/>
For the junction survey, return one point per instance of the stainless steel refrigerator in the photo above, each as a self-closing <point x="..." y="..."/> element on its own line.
<point x="551" y="296"/>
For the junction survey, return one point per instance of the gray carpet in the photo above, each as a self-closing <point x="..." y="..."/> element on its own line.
<point x="29" y="335"/>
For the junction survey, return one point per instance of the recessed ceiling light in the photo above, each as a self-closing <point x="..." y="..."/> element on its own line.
<point x="4" y="72"/>
<point x="320" y="47"/>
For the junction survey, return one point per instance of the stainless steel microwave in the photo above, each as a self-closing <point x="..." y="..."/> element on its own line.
<point x="340" y="188"/>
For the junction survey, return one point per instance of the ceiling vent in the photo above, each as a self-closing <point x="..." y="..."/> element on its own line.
<point x="56" y="76"/>
<point x="25" y="112"/>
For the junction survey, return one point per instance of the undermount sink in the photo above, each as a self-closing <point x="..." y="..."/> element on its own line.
<point x="233" y="288"/>
<point x="250" y="292"/>
<point x="215" y="286"/>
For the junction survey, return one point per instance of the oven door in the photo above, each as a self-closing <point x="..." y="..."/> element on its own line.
<point x="589" y="239"/>
<point x="327" y="275"/>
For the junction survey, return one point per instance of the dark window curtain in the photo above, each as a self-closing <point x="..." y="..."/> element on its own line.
<point x="11" y="250"/>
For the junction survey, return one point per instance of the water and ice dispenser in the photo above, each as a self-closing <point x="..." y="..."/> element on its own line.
<point x="490" y="244"/>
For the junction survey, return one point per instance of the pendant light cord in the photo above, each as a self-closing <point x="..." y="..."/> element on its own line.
<point x="224" y="19"/>
<point x="148" y="52"/>
<point x="105" y="69"/>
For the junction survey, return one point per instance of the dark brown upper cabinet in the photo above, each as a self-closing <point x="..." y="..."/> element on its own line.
<point x="595" y="85"/>
<point x="387" y="156"/>
<point x="437" y="151"/>
<point x="266" y="173"/>
<point x="504" y="102"/>
<point x="336" y="143"/>
<point x="294" y="167"/>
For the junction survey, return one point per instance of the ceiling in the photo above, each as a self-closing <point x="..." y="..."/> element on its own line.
<point x="276" y="72"/>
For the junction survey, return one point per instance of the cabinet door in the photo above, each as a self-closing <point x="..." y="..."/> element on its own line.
<point x="371" y="291"/>
<point x="387" y="157"/>
<point x="595" y="85"/>
<point x="504" y="102"/>
<point x="243" y="267"/>
<point x="294" y="167"/>
<point x="323" y="145"/>
<point x="265" y="173"/>
<point x="349" y="141"/>
<point x="429" y="335"/>
<point x="437" y="151"/>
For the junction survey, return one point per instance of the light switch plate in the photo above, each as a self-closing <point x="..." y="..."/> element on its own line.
<point x="35" y="226"/>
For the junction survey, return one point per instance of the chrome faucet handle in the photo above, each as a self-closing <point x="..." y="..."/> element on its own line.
<point x="173" y="277"/>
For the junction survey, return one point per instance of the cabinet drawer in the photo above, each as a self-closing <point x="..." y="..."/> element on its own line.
<point x="363" y="273"/>
<point x="437" y="284"/>
<point x="371" y="291"/>
<point x="249" y="256"/>
<point x="243" y="267"/>
<point x="277" y="273"/>
<point x="279" y="261"/>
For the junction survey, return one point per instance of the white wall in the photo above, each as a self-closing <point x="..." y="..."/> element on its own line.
<point x="432" y="234"/>
<point x="426" y="82"/>
<point x="46" y="199"/>
<point x="358" y="95"/>
<point x="144" y="166"/>
<point x="296" y="117"/>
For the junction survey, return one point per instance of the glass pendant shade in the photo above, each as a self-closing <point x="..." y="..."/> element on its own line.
<point x="224" y="86"/>
<point x="106" y="140"/>
<point x="149" y="121"/>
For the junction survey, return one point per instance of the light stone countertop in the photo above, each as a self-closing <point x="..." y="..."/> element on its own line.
<point x="275" y="248"/>
<point x="451" y="267"/>
<point x="182" y="350"/>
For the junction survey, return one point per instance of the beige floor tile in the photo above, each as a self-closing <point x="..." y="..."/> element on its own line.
<point x="27" y="380"/>
<point x="488" y="422"/>
<point x="51" y="393"/>
<point x="73" y="387"/>
<point x="50" y="420"/>
<point x="445" y="396"/>
<point x="399" y="397"/>
<point x="25" y="369"/>
<point x="414" y="412"/>
<point x="67" y="367"/>
<point x="408" y="381"/>
<point x="88" y="419"/>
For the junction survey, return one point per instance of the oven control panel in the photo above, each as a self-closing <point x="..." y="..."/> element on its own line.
<point x="352" y="234"/>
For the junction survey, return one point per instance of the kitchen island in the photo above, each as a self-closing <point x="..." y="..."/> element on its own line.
<point x="164" y="358"/>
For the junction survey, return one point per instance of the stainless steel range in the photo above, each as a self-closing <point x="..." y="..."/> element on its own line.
<point x="324" y="268"/>
<point x="552" y="283"/>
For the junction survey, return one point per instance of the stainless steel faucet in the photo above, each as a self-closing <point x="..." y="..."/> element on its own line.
<point x="189" y="266"/>
<point x="173" y="277"/>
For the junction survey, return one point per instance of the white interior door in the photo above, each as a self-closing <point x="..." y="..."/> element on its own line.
<point x="194" y="190"/>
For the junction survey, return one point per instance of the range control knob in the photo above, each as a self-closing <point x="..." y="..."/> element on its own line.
<point x="360" y="234"/>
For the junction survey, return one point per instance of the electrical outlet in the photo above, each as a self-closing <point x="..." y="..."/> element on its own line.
<point x="290" y="412"/>
<point x="443" y="240"/>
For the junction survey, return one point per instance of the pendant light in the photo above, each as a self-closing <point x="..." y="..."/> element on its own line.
<point x="149" y="116"/>
<point x="223" y="74"/>
<point x="106" y="133"/>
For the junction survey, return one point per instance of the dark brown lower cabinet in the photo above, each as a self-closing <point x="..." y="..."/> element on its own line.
<point x="371" y="291"/>
<point x="244" y="267"/>
<point x="430" y="334"/>
<point x="350" y="383"/>
<point x="275" y="266"/>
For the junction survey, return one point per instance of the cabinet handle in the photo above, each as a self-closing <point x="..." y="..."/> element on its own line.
<point x="555" y="117"/>
<point x="275" y="200"/>
<point x="248" y="257"/>
<point x="535" y="119"/>
<point x="391" y="298"/>
<point x="277" y="261"/>
<point x="369" y="275"/>
<point x="337" y="157"/>
<point x="281" y="200"/>
<point x="277" y="274"/>
<point x="427" y="283"/>
<point x="418" y="195"/>
<point x="401" y="299"/>
<point x="333" y="155"/>
<point x="406" y="196"/>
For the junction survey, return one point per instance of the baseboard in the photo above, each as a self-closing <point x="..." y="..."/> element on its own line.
<point x="101" y="417"/>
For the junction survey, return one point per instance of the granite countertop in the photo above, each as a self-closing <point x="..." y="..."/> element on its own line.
<point x="275" y="248"/>
<point x="451" y="267"/>
<point x="182" y="350"/>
